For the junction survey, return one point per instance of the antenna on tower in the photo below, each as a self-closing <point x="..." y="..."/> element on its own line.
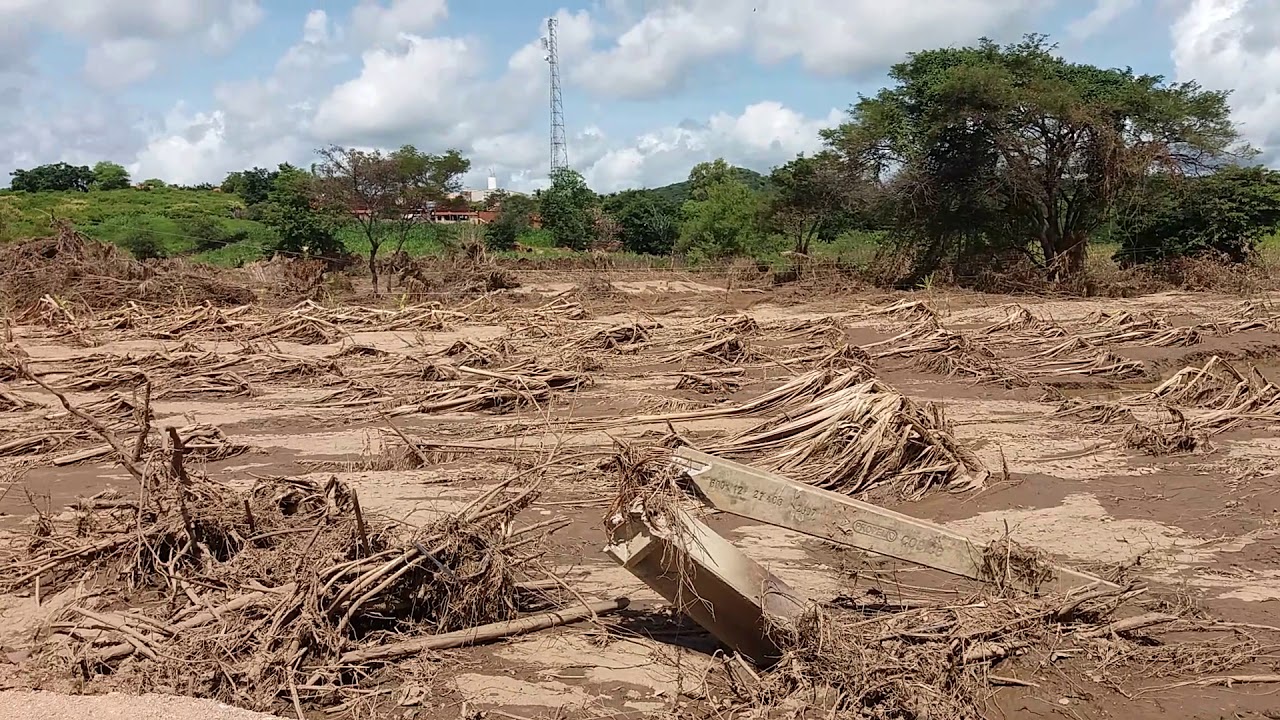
<point x="559" y="149"/>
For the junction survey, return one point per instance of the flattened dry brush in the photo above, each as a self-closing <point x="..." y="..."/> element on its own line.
<point x="942" y="661"/>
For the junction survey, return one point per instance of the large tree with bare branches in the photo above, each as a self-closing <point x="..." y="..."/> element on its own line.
<point x="989" y="149"/>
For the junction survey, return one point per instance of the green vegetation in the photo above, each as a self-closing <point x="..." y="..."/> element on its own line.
<point x="972" y="161"/>
<point x="385" y="196"/>
<point x="513" y="221"/>
<point x="567" y="209"/>
<point x="678" y="194"/>
<point x="986" y="152"/>
<point x="109" y="176"/>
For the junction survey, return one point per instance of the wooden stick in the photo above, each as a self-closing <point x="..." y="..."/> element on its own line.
<point x="126" y="458"/>
<point x="139" y="643"/>
<point x="483" y="633"/>
<point x="422" y="456"/>
<point x="360" y="526"/>
<point x="144" y="422"/>
<point x="1128" y="624"/>
<point x="1223" y="680"/>
<point x="179" y="455"/>
<point x="116" y="652"/>
<point x="248" y="516"/>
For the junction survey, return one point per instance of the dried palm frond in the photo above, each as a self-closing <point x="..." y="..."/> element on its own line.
<point x="860" y="438"/>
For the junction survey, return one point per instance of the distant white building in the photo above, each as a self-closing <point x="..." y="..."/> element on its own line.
<point x="480" y="195"/>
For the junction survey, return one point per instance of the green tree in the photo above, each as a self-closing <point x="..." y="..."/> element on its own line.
<point x="724" y="223"/>
<point x="364" y="186"/>
<point x="1222" y="214"/>
<point x="567" y="209"/>
<point x="648" y="223"/>
<point x="423" y="180"/>
<point x="154" y="184"/>
<point x="300" y="227"/>
<point x="514" y="215"/>
<point x="704" y="175"/>
<point x="58" y="177"/>
<point x="811" y="200"/>
<point x="251" y="185"/>
<point x="110" y="176"/>
<point x="144" y="246"/>
<point x="991" y="148"/>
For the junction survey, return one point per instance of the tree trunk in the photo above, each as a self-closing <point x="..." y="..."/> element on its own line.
<point x="373" y="266"/>
<point x="1064" y="255"/>
<point x="1072" y="253"/>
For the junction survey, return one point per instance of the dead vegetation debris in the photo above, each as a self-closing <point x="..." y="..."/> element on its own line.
<point x="90" y="276"/>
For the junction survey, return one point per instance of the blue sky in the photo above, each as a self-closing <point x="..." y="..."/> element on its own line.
<point x="188" y="90"/>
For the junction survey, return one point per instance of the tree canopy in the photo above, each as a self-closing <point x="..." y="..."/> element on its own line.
<point x="1220" y="215"/>
<point x="648" y="224"/>
<point x="252" y="185"/>
<point x="110" y="176"/>
<point x="385" y="194"/>
<point x="567" y="209"/>
<point x="811" y="200"/>
<point x="988" y="148"/>
<point x="57" y="177"/>
<point x="301" y="228"/>
<point x="723" y="219"/>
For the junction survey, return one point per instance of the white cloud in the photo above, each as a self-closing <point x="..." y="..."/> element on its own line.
<point x="661" y="50"/>
<point x="1235" y="45"/>
<point x="116" y="63"/>
<point x="420" y="87"/>
<point x="1104" y="12"/>
<point x="764" y="135"/>
<point x="124" y="39"/>
<point x="48" y="126"/>
<point x="377" y="24"/>
<point x="204" y="147"/>
<point x="655" y="54"/>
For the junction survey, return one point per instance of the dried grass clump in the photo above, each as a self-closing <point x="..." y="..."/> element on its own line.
<point x="290" y="279"/>
<point x="1094" y="413"/>
<point x="711" y="383"/>
<point x="915" y="310"/>
<point x="628" y="338"/>
<point x="1178" y="437"/>
<point x="1013" y="567"/>
<point x="1021" y="321"/>
<point x="92" y="275"/>
<point x="495" y="391"/>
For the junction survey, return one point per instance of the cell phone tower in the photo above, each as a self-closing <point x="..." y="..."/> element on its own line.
<point x="559" y="149"/>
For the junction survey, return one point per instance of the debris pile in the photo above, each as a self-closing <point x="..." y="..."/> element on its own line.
<point x="87" y="275"/>
<point x="290" y="593"/>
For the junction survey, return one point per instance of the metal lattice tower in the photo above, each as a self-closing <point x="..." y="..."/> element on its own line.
<point x="559" y="148"/>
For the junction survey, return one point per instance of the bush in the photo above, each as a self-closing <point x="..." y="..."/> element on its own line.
<point x="144" y="246"/>
<point x="1220" y="216"/>
<point x="207" y="233"/>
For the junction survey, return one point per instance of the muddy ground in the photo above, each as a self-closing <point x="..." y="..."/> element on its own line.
<point x="1200" y="524"/>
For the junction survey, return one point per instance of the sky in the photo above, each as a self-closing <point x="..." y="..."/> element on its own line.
<point x="189" y="90"/>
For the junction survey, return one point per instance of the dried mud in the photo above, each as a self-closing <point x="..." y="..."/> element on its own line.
<point x="1205" y="525"/>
